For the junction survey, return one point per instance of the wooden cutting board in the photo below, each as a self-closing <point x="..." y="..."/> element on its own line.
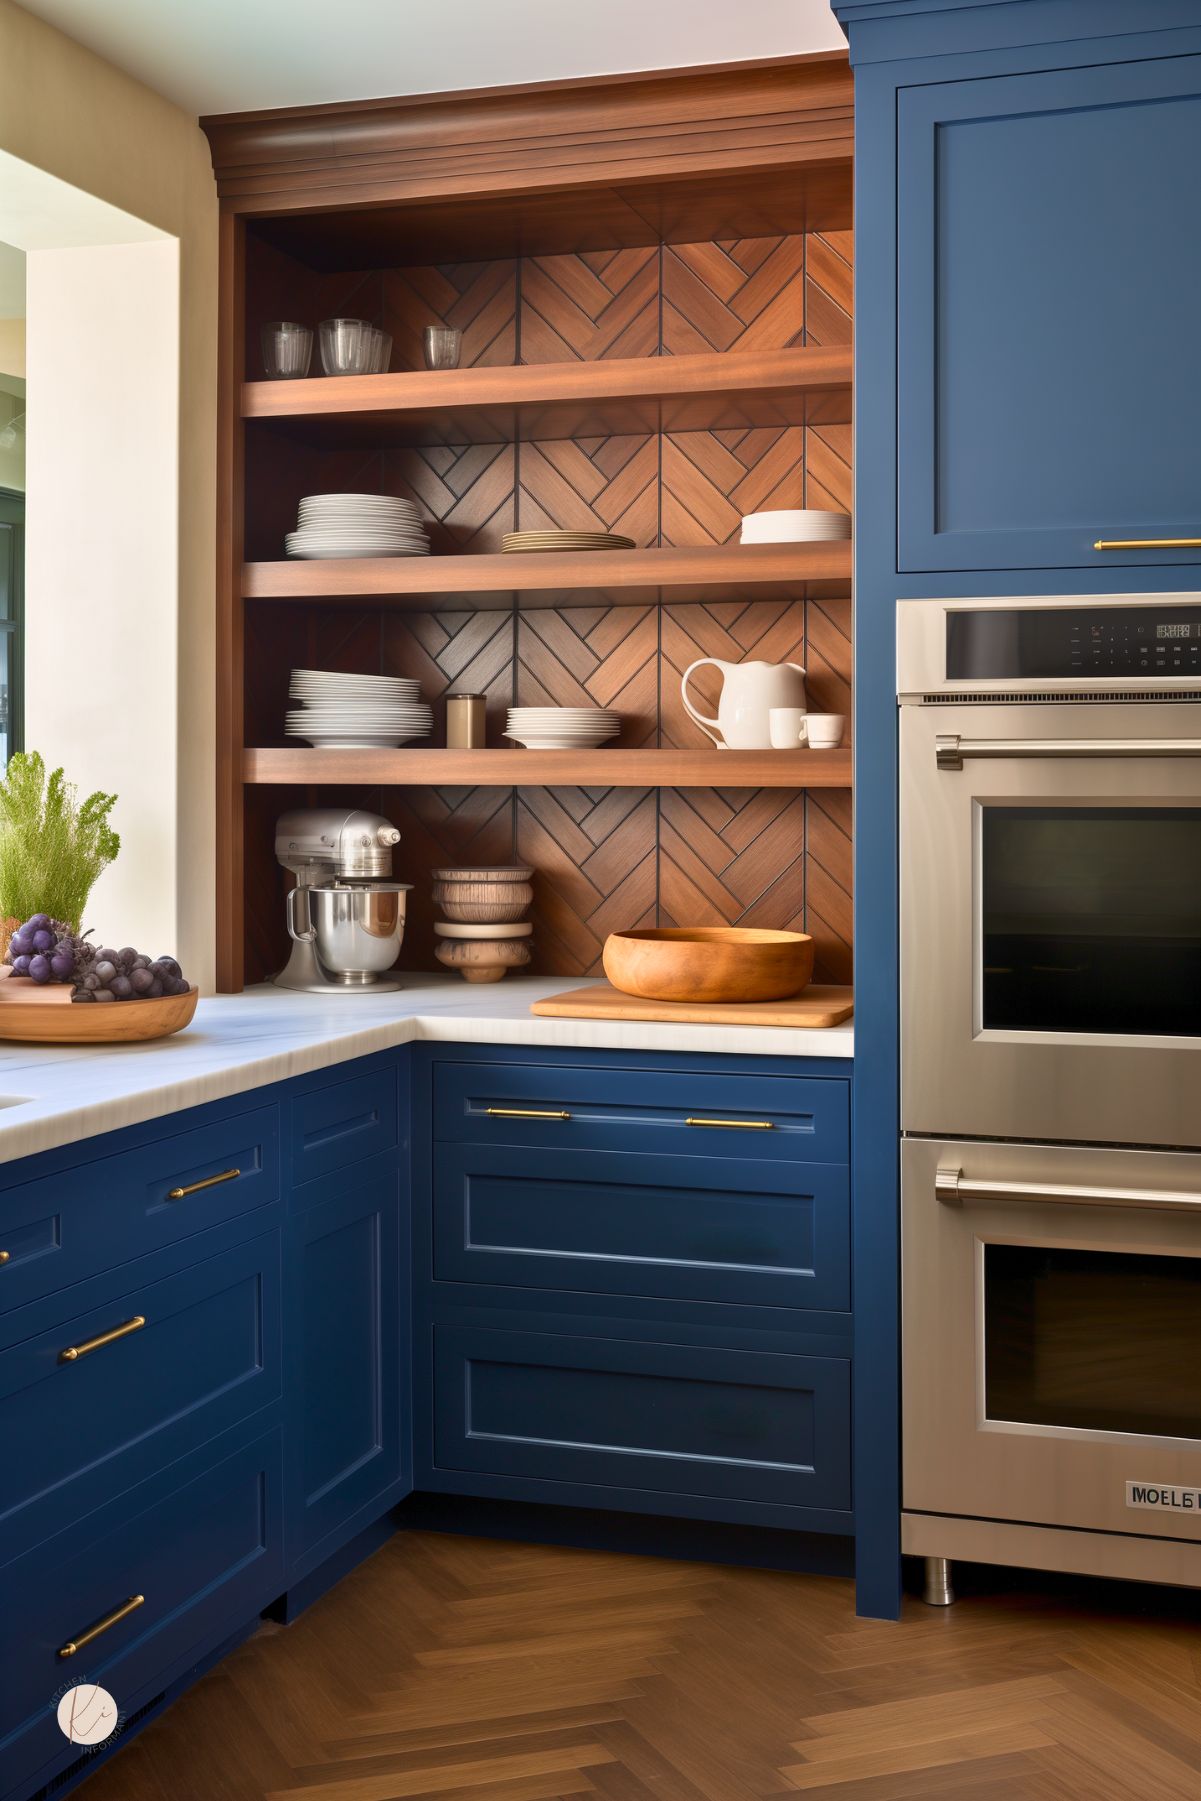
<point x="815" y="1008"/>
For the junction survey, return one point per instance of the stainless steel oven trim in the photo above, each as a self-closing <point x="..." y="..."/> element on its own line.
<point x="957" y="1075"/>
<point x="921" y="645"/>
<point x="957" y="1460"/>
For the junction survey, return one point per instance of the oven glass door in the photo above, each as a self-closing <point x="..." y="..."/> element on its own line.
<point x="1051" y="923"/>
<point x="1052" y="1347"/>
<point x="1090" y="918"/>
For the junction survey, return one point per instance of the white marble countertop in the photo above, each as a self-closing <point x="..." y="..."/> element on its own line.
<point x="52" y="1096"/>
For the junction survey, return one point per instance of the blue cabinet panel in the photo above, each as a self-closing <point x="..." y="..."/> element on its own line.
<point x="747" y="1231"/>
<point x="643" y="1110"/>
<point x="62" y="1227"/>
<point x="683" y="1419"/>
<point x="341" y="1123"/>
<point x="348" y="1335"/>
<point x="79" y="1431"/>
<point x="206" y="1557"/>
<point x="1049" y="361"/>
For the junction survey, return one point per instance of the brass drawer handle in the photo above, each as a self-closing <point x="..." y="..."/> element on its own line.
<point x="737" y="1125"/>
<point x="1147" y="544"/>
<point x="227" y="1175"/>
<point x="74" y="1351"/>
<point x="4" y="1256"/>
<point x="110" y="1619"/>
<point x="524" y="1113"/>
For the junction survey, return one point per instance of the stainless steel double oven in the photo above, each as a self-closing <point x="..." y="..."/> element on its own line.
<point x="1050" y="891"/>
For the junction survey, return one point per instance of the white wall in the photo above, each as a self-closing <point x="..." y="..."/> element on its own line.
<point x="71" y="119"/>
<point x="102" y="469"/>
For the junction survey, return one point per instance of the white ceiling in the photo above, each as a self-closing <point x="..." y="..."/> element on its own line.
<point x="12" y="282"/>
<point x="216" y="56"/>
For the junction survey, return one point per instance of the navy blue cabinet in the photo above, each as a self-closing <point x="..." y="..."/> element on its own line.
<point x="675" y="1419"/>
<point x="1048" y="282"/>
<point x="348" y="1333"/>
<point x="728" y="1229"/>
<point x="634" y="1284"/>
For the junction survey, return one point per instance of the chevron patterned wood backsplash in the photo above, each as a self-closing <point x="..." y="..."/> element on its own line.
<point x="605" y="858"/>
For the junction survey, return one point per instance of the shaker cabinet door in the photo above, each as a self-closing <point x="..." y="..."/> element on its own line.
<point x="347" y="1336"/>
<point x="1049" y="290"/>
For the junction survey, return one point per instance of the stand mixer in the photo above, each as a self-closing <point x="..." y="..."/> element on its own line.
<point x="346" y="917"/>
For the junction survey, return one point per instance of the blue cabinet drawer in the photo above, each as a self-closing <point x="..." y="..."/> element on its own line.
<point x="205" y="1558"/>
<point x="584" y="1107"/>
<point x="752" y="1232"/>
<point x="342" y="1122"/>
<point x="60" y="1228"/>
<point x="81" y="1425"/>
<point x="677" y="1419"/>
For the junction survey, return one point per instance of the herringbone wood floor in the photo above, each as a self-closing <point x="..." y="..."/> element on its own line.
<point x="471" y="1670"/>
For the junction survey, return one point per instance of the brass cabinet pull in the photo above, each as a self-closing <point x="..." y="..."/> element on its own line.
<point x="524" y="1113"/>
<point x="737" y="1125"/>
<point x="1147" y="544"/>
<point x="227" y="1175"/>
<point x="74" y="1351"/>
<point x="110" y="1619"/>
<point x="4" y="1256"/>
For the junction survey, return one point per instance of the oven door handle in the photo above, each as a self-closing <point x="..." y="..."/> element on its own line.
<point x="951" y="749"/>
<point x="954" y="1189"/>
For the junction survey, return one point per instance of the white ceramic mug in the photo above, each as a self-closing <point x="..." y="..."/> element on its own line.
<point x="825" y="730"/>
<point x="786" y="726"/>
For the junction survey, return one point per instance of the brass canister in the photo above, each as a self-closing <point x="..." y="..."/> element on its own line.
<point x="465" y="718"/>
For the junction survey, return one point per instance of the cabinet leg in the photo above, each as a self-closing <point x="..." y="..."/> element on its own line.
<point x="938" y="1591"/>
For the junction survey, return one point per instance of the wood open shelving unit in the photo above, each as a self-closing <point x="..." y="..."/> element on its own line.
<point x="656" y="318"/>
<point x="703" y="391"/>
<point x="706" y="572"/>
<point x="603" y="768"/>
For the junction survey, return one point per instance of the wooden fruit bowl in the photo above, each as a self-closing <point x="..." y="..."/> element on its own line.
<point x="49" y="1015"/>
<point x="709" y="963"/>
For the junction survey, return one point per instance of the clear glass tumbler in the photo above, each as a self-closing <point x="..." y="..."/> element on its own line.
<point x="443" y="347"/>
<point x="287" y="349"/>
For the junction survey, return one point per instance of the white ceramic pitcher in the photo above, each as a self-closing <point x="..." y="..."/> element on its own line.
<point x="749" y="691"/>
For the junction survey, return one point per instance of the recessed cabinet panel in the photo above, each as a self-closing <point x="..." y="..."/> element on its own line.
<point x="1049" y="274"/>
<point x="581" y="1106"/>
<point x="100" y="1401"/>
<point x="205" y="1559"/>
<point x="349" y="1349"/>
<point x="63" y="1227"/>
<point x="746" y="1232"/>
<point x="680" y="1419"/>
<point x="346" y="1122"/>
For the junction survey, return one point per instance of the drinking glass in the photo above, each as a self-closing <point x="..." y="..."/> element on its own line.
<point x="443" y="347"/>
<point x="287" y="349"/>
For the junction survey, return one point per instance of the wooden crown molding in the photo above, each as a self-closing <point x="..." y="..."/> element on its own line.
<point x="620" y="129"/>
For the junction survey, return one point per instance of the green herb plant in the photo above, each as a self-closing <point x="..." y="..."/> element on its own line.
<point x="52" y="847"/>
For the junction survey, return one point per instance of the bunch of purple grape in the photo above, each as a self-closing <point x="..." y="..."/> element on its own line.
<point x="128" y="975"/>
<point x="46" y="950"/>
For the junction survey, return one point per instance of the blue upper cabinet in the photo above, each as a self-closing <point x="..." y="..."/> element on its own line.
<point x="1048" y="307"/>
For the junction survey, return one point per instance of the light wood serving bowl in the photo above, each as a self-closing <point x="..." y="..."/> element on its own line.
<point x="48" y="1015"/>
<point x="709" y="963"/>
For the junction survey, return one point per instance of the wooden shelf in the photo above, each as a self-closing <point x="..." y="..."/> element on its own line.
<point x="711" y="391"/>
<point x="703" y="572"/>
<point x="603" y="768"/>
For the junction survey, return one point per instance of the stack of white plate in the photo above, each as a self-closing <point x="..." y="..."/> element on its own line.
<point x="356" y="712"/>
<point x="796" y="525"/>
<point x="357" y="525"/>
<point x="562" y="728"/>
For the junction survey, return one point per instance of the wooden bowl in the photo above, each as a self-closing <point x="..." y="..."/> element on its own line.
<point x="49" y="1015"/>
<point x="483" y="959"/>
<point x="709" y="963"/>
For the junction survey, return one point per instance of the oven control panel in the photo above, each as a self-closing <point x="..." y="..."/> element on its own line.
<point x="1064" y="643"/>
